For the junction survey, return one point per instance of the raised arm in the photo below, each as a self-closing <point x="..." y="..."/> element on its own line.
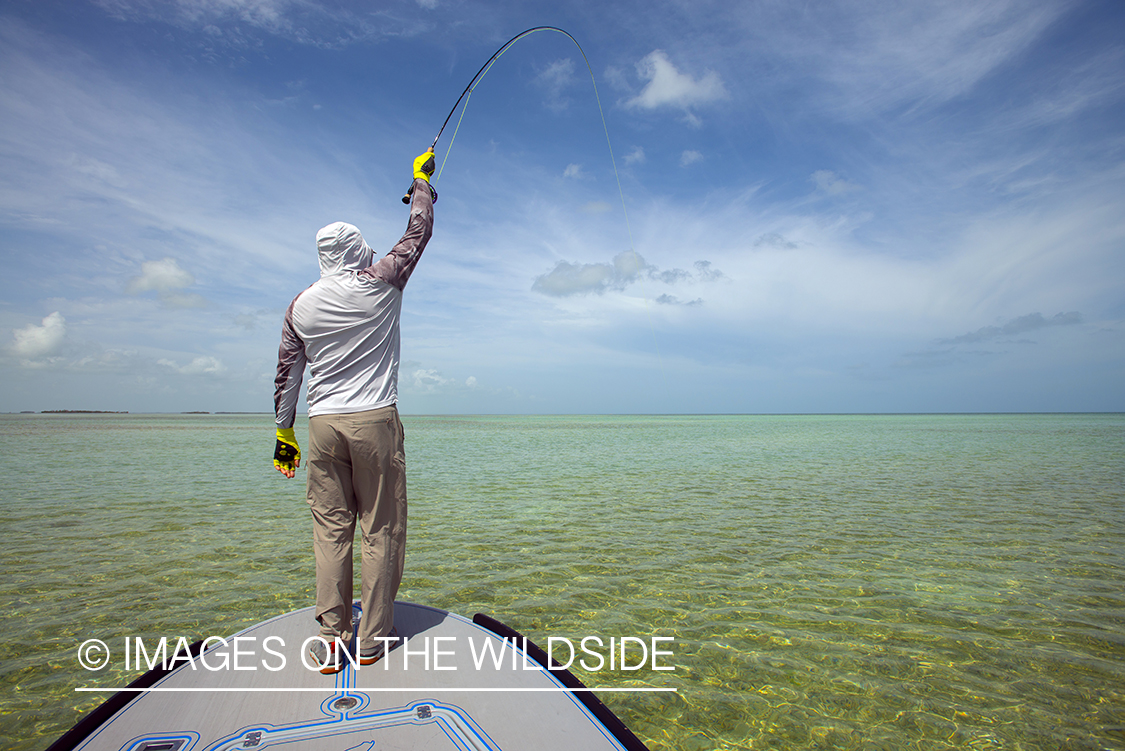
<point x="395" y="267"/>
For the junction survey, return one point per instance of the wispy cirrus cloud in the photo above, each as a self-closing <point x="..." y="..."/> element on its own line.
<point x="236" y="23"/>
<point x="867" y="59"/>
<point x="832" y="184"/>
<point x="667" y="299"/>
<point x="553" y="80"/>
<point x="690" y="157"/>
<point x="1015" y="327"/>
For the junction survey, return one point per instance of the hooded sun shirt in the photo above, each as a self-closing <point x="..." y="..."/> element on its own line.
<point x="346" y="326"/>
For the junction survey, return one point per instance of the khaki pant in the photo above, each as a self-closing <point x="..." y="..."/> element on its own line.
<point x="357" y="471"/>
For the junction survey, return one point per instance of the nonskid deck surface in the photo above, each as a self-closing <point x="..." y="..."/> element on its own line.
<point x="448" y="684"/>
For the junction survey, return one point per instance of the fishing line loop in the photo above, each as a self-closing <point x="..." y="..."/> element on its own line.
<point x="468" y="93"/>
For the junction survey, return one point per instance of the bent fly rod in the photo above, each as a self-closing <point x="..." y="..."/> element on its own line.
<point x="468" y="92"/>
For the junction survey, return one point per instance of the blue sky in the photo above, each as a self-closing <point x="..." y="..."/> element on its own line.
<point x="828" y="206"/>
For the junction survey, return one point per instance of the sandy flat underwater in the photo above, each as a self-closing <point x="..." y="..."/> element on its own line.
<point x="850" y="582"/>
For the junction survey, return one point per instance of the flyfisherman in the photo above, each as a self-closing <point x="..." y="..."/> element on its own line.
<point x="346" y="328"/>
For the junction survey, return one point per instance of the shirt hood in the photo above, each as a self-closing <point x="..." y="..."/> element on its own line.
<point x="342" y="249"/>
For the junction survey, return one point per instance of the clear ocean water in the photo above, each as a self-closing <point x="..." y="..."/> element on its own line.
<point x="843" y="582"/>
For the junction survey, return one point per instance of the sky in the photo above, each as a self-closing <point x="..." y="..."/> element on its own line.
<point x="820" y="207"/>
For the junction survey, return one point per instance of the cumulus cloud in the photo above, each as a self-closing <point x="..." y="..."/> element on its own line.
<point x="417" y="380"/>
<point x="706" y="273"/>
<point x="198" y="366"/>
<point x="670" y="276"/>
<point x="427" y="381"/>
<point x="1015" y="327"/>
<point x="162" y="276"/>
<point x="636" y="156"/>
<point x="574" y="170"/>
<point x="34" y="343"/>
<point x="568" y="279"/>
<point x="668" y="87"/>
<point x="689" y="157"/>
<point x="829" y="182"/>
<point x="582" y="278"/>
<point x="166" y="278"/>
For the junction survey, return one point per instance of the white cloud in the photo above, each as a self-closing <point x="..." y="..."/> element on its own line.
<point x="831" y="183"/>
<point x="471" y="382"/>
<point x="575" y="279"/>
<point x="203" y="365"/>
<point x="198" y="366"/>
<point x="236" y="22"/>
<point x="236" y="195"/>
<point x="861" y="59"/>
<point x="265" y="14"/>
<point x="581" y="278"/>
<point x="689" y="157"/>
<point x="166" y="278"/>
<point x="776" y="241"/>
<point x="38" y="342"/>
<point x="673" y="300"/>
<point x="569" y="279"/>
<point x="574" y="170"/>
<point x="668" y="87"/>
<point x="97" y="170"/>
<point x="427" y="380"/>
<point x="1016" y="326"/>
<point x="164" y="275"/>
<point x="706" y="273"/>
<point x="554" y="78"/>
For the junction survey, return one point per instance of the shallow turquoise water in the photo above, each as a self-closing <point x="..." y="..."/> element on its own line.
<point x="853" y="582"/>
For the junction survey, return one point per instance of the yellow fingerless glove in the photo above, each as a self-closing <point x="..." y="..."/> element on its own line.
<point x="424" y="166"/>
<point x="286" y="454"/>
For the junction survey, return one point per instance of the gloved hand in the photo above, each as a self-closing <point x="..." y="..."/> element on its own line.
<point x="286" y="454"/>
<point x="424" y="166"/>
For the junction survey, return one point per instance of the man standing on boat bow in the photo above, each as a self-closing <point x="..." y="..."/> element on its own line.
<point x="346" y="328"/>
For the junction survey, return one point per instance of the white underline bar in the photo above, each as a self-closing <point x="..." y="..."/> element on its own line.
<point x="361" y="690"/>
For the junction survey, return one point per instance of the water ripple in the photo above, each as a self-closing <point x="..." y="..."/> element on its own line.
<point x="848" y="582"/>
